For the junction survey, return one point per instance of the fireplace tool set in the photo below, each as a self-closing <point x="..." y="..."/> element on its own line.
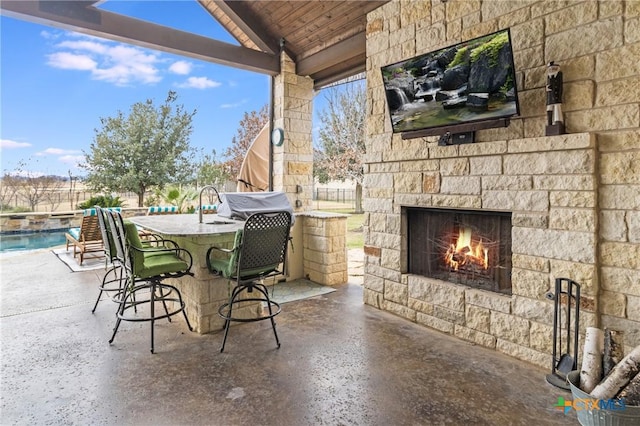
<point x="565" y="333"/>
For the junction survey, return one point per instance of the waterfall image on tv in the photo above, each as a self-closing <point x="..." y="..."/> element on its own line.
<point x="469" y="82"/>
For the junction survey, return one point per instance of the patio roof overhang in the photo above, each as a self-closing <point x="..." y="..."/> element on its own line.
<point x="325" y="39"/>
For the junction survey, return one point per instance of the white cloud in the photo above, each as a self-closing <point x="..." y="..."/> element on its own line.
<point x="9" y="144"/>
<point x="26" y="173"/>
<point x="115" y="63"/>
<point x="94" y="45"/>
<point x="71" y="61"/>
<point x="234" y="105"/>
<point x="181" y="67"/>
<point x="59" y="151"/>
<point x="74" y="160"/>
<point x="199" y="83"/>
<point x="48" y="35"/>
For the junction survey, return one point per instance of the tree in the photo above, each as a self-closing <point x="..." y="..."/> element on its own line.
<point x="36" y="189"/>
<point x="250" y="126"/>
<point x="9" y="187"/>
<point x="148" y="148"/>
<point x="341" y="137"/>
<point x="210" y="170"/>
<point x="33" y="188"/>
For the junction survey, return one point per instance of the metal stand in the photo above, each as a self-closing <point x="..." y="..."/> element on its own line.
<point x="226" y="311"/>
<point x="567" y="292"/>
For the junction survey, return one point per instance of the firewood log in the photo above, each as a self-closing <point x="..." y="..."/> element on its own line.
<point x="631" y="392"/>
<point x="613" y="350"/>
<point x="619" y="377"/>
<point x="591" y="371"/>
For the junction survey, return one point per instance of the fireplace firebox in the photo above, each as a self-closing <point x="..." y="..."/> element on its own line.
<point x="472" y="248"/>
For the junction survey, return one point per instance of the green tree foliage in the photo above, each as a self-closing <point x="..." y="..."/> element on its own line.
<point x="250" y="126"/>
<point x="211" y="171"/>
<point x="148" y="148"/>
<point x="340" y="151"/>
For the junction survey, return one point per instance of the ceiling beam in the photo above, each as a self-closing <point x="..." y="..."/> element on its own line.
<point x="83" y="18"/>
<point x="333" y="55"/>
<point x="250" y="26"/>
<point x="322" y="82"/>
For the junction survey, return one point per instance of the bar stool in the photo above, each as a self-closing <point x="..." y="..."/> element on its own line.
<point x="260" y="248"/>
<point x="145" y="271"/>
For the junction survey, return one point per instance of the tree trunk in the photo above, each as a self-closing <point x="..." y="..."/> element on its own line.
<point x="613" y="350"/>
<point x="359" y="209"/>
<point x="141" y="199"/>
<point x="619" y="377"/>
<point x="631" y="393"/>
<point x="591" y="371"/>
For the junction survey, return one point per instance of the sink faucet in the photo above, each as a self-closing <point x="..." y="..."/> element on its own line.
<point x="200" y="199"/>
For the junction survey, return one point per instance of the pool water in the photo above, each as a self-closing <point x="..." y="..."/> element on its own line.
<point x="31" y="241"/>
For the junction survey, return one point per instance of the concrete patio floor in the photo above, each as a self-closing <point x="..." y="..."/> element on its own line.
<point x="341" y="362"/>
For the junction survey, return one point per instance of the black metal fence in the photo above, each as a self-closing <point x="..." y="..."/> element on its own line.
<point x="340" y="195"/>
<point x="61" y="200"/>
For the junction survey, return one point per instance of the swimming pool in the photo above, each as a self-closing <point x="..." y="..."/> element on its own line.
<point x="31" y="240"/>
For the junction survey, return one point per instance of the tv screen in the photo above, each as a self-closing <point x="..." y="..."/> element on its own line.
<point x="469" y="82"/>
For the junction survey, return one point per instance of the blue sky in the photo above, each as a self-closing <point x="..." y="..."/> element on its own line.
<point x="56" y="85"/>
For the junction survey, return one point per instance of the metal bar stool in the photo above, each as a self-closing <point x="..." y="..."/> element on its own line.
<point x="259" y="250"/>
<point x="145" y="270"/>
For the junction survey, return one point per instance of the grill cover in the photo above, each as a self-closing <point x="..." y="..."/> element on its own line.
<point x="241" y="205"/>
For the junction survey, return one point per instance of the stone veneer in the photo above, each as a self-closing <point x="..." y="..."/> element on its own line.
<point x="292" y="111"/>
<point x="324" y="257"/>
<point x="575" y="198"/>
<point x="38" y="222"/>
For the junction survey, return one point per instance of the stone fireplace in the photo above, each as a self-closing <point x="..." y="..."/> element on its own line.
<point x="574" y="199"/>
<point x="471" y="248"/>
<point x="525" y="207"/>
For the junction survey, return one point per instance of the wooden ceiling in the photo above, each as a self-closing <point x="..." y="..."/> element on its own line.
<point x="325" y="39"/>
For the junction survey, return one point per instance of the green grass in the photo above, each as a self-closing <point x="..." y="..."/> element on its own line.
<point x="355" y="236"/>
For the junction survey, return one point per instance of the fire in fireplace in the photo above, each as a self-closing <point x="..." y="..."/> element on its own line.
<point x="464" y="247"/>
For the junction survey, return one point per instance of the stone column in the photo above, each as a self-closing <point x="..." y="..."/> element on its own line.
<point x="293" y="160"/>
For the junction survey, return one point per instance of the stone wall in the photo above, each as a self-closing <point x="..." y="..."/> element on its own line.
<point x="579" y="192"/>
<point x="324" y="250"/>
<point x="323" y="245"/>
<point x="38" y="222"/>
<point x="293" y="160"/>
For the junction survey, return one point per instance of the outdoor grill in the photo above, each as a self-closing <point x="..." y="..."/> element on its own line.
<point x="241" y="205"/>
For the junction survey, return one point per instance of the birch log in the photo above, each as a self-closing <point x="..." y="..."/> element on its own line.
<point x="613" y="350"/>
<point x="619" y="377"/>
<point x="631" y="392"/>
<point x="591" y="371"/>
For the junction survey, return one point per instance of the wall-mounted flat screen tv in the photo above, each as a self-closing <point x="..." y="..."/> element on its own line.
<point x="470" y="82"/>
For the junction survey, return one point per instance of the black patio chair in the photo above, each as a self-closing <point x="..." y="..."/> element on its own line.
<point x="259" y="252"/>
<point x="145" y="270"/>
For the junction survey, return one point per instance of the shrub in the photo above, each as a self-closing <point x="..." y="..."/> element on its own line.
<point x="102" y="201"/>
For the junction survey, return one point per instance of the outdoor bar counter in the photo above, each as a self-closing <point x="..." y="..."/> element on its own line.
<point x="318" y="253"/>
<point x="204" y="292"/>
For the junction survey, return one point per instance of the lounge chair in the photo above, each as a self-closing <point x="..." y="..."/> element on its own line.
<point x="162" y="210"/>
<point x="208" y="208"/>
<point x="87" y="238"/>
